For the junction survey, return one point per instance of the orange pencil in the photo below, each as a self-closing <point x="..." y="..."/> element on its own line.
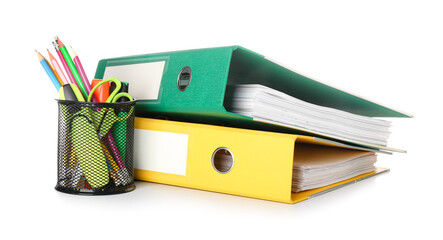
<point x="55" y="73"/>
<point x="57" y="68"/>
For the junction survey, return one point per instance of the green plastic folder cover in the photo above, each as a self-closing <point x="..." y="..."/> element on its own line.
<point x="210" y="71"/>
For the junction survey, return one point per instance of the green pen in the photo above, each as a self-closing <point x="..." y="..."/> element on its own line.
<point x="119" y="128"/>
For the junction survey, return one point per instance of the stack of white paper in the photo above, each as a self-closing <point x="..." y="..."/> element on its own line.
<point x="317" y="166"/>
<point x="271" y="106"/>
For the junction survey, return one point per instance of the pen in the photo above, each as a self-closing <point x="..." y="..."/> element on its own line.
<point x="70" y="92"/>
<point x="112" y="166"/>
<point x="48" y="70"/>
<point x="119" y="128"/>
<point x="122" y="173"/>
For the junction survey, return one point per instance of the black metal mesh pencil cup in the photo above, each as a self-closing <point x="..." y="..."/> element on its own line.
<point x="95" y="147"/>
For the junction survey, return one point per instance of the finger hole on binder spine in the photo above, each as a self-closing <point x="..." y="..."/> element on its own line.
<point x="222" y="160"/>
<point x="184" y="78"/>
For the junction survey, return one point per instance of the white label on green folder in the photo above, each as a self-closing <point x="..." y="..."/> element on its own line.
<point x="144" y="78"/>
<point x="160" y="151"/>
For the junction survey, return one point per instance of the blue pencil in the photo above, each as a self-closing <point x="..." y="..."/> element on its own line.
<point x="49" y="71"/>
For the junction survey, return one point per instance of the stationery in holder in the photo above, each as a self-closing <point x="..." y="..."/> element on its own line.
<point x="243" y="162"/>
<point x="193" y="85"/>
<point x="88" y="162"/>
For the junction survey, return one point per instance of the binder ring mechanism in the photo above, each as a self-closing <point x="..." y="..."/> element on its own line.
<point x="184" y="78"/>
<point x="222" y="160"/>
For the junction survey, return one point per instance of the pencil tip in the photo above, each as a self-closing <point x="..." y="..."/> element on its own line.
<point x="39" y="55"/>
<point x="59" y="42"/>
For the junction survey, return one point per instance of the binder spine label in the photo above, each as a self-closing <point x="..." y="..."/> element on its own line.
<point x="160" y="151"/>
<point x="144" y="78"/>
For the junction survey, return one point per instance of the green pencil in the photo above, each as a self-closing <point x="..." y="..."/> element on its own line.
<point x="71" y="65"/>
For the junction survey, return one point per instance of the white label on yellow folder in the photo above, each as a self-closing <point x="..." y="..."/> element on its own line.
<point x="160" y="151"/>
<point x="144" y="78"/>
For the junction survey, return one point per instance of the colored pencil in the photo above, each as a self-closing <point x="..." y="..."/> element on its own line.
<point x="63" y="61"/>
<point x="82" y="73"/>
<point x="55" y="73"/>
<point x="57" y="68"/>
<point x="71" y="65"/>
<point x="48" y="70"/>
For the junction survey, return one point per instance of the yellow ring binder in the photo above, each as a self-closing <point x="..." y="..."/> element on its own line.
<point x="263" y="160"/>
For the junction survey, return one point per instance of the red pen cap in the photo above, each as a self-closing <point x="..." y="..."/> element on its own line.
<point x="102" y="92"/>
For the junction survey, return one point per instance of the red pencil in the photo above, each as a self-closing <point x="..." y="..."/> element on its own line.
<point x="82" y="73"/>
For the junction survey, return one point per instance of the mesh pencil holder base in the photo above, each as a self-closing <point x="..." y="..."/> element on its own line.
<point x="95" y="147"/>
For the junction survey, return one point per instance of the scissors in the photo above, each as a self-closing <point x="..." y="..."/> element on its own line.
<point x="106" y="117"/>
<point x="114" y="96"/>
<point x="99" y="114"/>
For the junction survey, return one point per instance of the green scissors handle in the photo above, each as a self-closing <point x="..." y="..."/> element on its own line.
<point x="105" y="118"/>
<point x="118" y="85"/>
<point x="110" y="118"/>
<point x="122" y="94"/>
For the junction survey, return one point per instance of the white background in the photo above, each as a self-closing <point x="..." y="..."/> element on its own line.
<point x="388" y="51"/>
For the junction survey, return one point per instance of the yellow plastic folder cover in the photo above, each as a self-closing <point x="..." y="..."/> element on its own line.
<point x="181" y="154"/>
